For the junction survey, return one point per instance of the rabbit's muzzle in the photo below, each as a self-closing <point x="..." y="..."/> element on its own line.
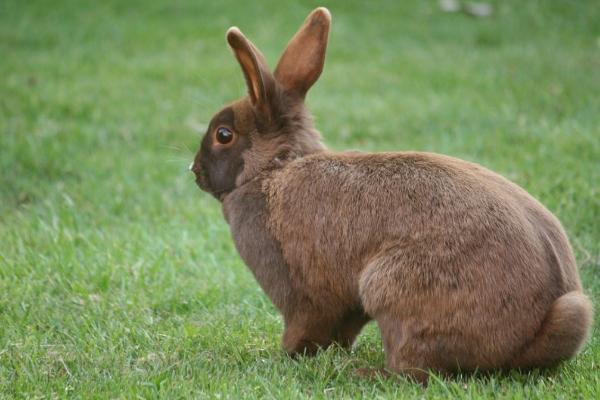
<point x="201" y="180"/>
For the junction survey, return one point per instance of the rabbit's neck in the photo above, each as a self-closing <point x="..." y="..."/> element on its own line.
<point x="268" y="155"/>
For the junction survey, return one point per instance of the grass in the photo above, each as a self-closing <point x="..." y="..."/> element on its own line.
<point x="118" y="277"/>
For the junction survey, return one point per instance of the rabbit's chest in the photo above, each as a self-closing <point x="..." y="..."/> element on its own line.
<point x="245" y="209"/>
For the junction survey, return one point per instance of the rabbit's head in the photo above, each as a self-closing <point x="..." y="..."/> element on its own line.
<point x="271" y="125"/>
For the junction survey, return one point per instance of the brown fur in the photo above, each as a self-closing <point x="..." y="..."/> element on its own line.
<point x="460" y="268"/>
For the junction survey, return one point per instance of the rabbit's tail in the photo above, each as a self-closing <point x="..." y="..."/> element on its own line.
<point x="562" y="334"/>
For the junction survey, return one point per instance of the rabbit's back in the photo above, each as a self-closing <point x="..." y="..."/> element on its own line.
<point x="456" y="225"/>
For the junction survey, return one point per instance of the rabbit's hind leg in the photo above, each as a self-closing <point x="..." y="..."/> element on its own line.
<point x="407" y="353"/>
<point x="416" y="328"/>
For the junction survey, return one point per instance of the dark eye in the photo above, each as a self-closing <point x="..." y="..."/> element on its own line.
<point x="224" y="135"/>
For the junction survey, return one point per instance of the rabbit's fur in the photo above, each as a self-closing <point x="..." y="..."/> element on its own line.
<point x="460" y="268"/>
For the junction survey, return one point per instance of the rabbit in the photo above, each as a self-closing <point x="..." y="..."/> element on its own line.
<point x="460" y="268"/>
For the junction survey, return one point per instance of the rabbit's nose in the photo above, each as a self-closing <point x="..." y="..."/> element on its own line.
<point x="194" y="167"/>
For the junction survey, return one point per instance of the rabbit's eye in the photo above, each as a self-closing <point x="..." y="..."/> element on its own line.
<point x="224" y="135"/>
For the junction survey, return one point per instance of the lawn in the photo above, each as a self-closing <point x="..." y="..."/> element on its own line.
<point x="118" y="277"/>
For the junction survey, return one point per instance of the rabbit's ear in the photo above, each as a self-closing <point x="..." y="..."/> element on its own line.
<point x="304" y="57"/>
<point x="259" y="79"/>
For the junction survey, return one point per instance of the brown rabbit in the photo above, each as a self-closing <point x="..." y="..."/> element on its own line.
<point x="460" y="268"/>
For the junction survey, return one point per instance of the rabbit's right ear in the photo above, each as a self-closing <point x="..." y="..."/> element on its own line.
<point x="259" y="79"/>
<point x="304" y="57"/>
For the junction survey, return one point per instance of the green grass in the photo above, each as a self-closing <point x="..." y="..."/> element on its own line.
<point x="118" y="276"/>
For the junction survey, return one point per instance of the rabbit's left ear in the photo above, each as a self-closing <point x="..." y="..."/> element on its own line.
<point x="304" y="57"/>
<point x="259" y="80"/>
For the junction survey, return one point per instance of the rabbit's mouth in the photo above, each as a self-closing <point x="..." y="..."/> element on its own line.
<point x="203" y="185"/>
<point x="218" y="194"/>
<point x="201" y="182"/>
